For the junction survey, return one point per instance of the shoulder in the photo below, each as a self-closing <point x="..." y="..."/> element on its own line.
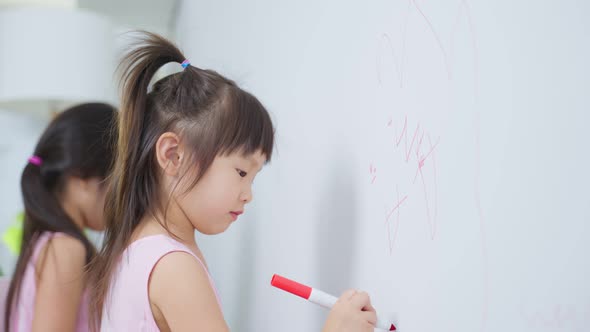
<point x="179" y="268"/>
<point x="180" y="289"/>
<point x="62" y="254"/>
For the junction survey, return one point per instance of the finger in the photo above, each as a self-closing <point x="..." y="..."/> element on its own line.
<point x="347" y="295"/>
<point x="370" y="317"/>
<point x="360" y="300"/>
<point x="369" y="308"/>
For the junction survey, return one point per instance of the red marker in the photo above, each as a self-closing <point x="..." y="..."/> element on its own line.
<point x="316" y="296"/>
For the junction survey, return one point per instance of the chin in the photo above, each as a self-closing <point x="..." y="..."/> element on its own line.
<point x="217" y="229"/>
<point x="96" y="228"/>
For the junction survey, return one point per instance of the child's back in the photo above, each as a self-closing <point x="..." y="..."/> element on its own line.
<point x="127" y="302"/>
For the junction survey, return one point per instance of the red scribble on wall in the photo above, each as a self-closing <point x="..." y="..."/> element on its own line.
<point x="412" y="152"/>
<point x="436" y="37"/>
<point x="396" y="208"/>
<point x="373" y="172"/>
<point x="388" y="54"/>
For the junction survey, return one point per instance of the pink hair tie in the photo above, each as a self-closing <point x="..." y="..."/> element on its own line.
<point x="36" y="160"/>
<point x="185" y="64"/>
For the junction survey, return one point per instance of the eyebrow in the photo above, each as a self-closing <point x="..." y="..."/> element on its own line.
<point x="253" y="162"/>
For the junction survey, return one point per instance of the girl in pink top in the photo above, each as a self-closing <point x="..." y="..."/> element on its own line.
<point x="189" y="149"/>
<point x="63" y="193"/>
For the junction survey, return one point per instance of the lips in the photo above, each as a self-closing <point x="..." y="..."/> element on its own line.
<point x="235" y="214"/>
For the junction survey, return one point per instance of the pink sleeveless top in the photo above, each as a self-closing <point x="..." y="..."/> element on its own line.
<point x="127" y="305"/>
<point x="22" y="315"/>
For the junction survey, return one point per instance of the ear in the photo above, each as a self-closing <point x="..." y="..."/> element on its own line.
<point x="169" y="153"/>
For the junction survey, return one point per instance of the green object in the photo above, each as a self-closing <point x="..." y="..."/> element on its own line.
<point x="14" y="234"/>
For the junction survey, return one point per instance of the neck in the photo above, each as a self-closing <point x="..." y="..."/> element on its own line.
<point x="173" y="221"/>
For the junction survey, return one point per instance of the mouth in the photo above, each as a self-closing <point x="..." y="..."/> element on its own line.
<point x="235" y="214"/>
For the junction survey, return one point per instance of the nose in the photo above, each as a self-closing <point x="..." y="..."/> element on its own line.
<point x="246" y="195"/>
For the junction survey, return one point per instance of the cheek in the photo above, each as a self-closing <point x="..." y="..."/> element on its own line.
<point x="218" y="190"/>
<point x="98" y="221"/>
<point x="93" y="210"/>
<point x="205" y="202"/>
<point x="101" y="206"/>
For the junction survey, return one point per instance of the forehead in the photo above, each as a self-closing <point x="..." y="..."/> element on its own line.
<point x="256" y="159"/>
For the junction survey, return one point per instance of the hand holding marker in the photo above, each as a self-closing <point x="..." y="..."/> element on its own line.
<point x="318" y="297"/>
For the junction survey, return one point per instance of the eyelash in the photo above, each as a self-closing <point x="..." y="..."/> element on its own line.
<point x="241" y="173"/>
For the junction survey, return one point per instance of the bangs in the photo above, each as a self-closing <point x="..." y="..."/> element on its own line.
<point x="248" y="127"/>
<point x="235" y="123"/>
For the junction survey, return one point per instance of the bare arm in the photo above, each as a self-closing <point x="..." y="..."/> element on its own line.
<point x="60" y="285"/>
<point x="180" y="290"/>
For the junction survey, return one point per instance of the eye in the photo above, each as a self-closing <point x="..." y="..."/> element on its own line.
<point x="241" y="173"/>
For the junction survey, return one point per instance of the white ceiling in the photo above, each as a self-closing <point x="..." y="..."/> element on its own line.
<point x="154" y="15"/>
<point x="50" y="3"/>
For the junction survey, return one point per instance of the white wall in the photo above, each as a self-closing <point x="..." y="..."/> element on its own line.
<point x="500" y="242"/>
<point x="19" y="132"/>
<point x="260" y="44"/>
